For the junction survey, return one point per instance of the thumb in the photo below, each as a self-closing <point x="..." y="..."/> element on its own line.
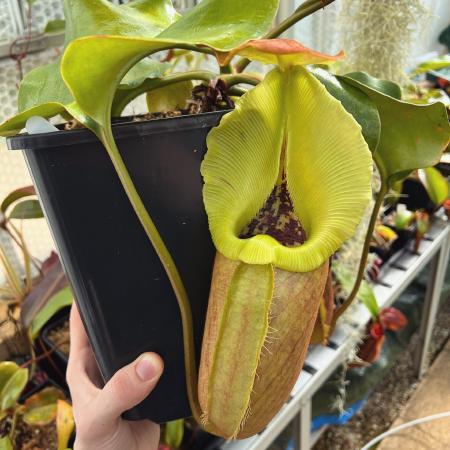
<point x="129" y="386"/>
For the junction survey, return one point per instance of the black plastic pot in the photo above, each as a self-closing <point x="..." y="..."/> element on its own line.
<point x="416" y="197"/>
<point x="50" y="357"/>
<point x="122" y="291"/>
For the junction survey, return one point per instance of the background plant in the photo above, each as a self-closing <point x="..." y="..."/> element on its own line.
<point x="41" y="409"/>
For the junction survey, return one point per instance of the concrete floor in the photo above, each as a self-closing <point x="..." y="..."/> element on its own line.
<point x="431" y="397"/>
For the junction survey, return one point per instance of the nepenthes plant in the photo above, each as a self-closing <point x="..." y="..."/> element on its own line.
<point x="287" y="175"/>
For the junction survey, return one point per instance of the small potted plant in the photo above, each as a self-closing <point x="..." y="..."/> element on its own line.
<point x="28" y="294"/>
<point x="43" y="420"/>
<point x="284" y="183"/>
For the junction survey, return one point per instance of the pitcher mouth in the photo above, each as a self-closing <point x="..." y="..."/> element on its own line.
<point x="277" y="218"/>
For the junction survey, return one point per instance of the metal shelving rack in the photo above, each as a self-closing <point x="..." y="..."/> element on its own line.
<point x="322" y="361"/>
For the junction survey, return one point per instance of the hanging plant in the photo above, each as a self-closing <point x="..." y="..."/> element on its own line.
<point x="379" y="36"/>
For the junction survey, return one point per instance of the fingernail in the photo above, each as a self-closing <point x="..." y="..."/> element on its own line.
<point x="148" y="368"/>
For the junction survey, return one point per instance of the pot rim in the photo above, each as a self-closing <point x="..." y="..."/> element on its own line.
<point x="126" y="129"/>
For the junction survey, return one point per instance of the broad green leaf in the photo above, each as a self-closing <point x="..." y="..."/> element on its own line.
<point x="435" y="184"/>
<point x="355" y="102"/>
<point x="43" y="92"/>
<point x="64" y="423"/>
<point x="169" y="98"/>
<point x="224" y="25"/>
<point x="282" y="52"/>
<point x="279" y="125"/>
<point x="7" y="370"/>
<point x="136" y="81"/>
<point x="13" y="388"/>
<point x="412" y="136"/>
<point x="27" y="209"/>
<point x="41" y="415"/>
<point x="13" y="125"/>
<point x="15" y="195"/>
<point x="173" y="433"/>
<point x="144" y="69"/>
<point x="43" y="85"/>
<point x="60" y="300"/>
<point x="385" y="86"/>
<point x="55" y="26"/>
<point x="6" y="444"/>
<point x="214" y="24"/>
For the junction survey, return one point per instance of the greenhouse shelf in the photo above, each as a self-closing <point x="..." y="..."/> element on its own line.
<point x="322" y="361"/>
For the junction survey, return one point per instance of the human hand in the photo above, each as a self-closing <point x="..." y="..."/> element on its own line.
<point x="97" y="411"/>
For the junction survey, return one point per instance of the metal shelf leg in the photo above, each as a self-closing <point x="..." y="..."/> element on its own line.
<point x="438" y="268"/>
<point x="302" y="427"/>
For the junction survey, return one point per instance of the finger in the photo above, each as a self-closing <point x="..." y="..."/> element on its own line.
<point x="78" y="336"/>
<point x="82" y="371"/>
<point x="128" y="387"/>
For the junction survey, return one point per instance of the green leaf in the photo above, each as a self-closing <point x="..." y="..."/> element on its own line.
<point x="143" y="70"/>
<point x="6" y="444"/>
<point x="45" y="287"/>
<point x="223" y="25"/>
<point x="279" y="127"/>
<point x="403" y="219"/>
<point x="433" y="64"/>
<point x="173" y="433"/>
<point x="13" y="389"/>
<point x="213" y="24"/>
<point x="384" y="86"/>
<point x="355" y="102"/>
<point x="43" y="92"/>
<point x="45" y="397"/>
<point x="367" y="295"/>
<point x="59" y="301"/>
<point x="169" y="98"/>
<point x="41" y="415"/>
<point x="435" y="184"/>
<point x="7" y="370"/>
<point x="27" y="209"/>
<point x="133" y="84"/>
<point x="15" y="195"/>
<point x="412" y="136"/>
<point x="55" y="26"/>
<point x="13" y="125"/>
<point x="43" y="86"/>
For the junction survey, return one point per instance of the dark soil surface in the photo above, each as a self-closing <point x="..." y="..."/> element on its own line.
<point x="36" y="438"/>
<point x="388" y="399"/>
<point x="60" y="336"/>
<point x="28" y="437"/>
